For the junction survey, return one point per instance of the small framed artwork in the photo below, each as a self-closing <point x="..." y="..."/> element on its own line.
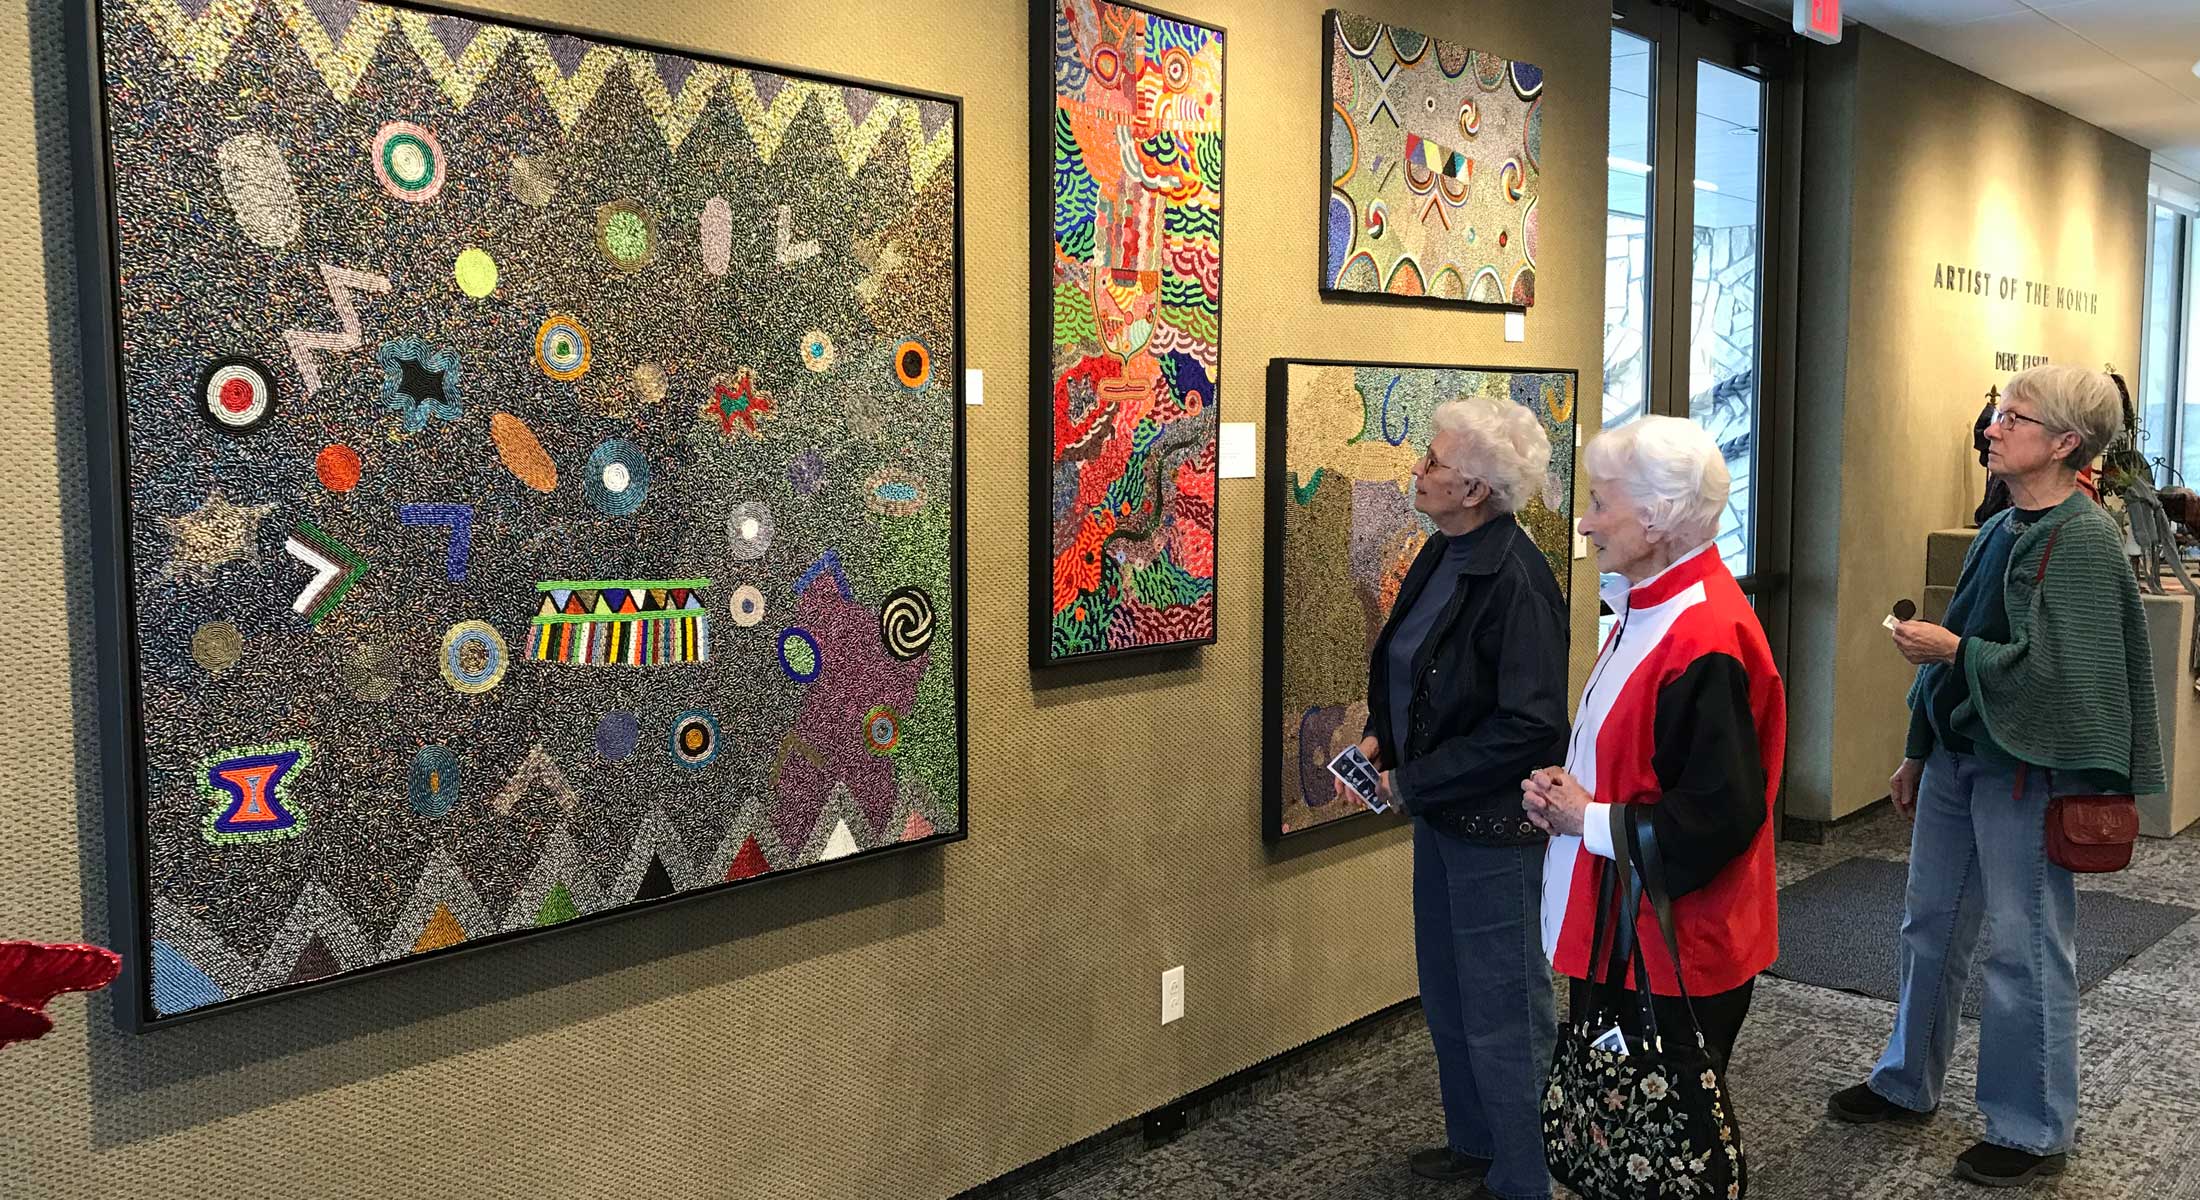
<point x="1434" y="162"/>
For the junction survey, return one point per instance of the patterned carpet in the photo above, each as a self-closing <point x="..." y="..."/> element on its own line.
<point x="1342" y="1131"/>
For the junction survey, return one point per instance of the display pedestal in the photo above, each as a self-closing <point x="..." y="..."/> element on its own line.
<point x="2169" y="630"/>
<point x="2169" y="637"/>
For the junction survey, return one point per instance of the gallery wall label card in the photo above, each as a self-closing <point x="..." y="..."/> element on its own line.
<point x="1237" y="450"/>
<point x="1516" y="326"/>
<point x="973" y="387"/>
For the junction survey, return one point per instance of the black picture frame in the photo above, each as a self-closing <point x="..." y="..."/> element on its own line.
<point x="1042" y="338"/>
<point x="1322" y="284"/>
<point x="1277" y="452"/>
<point x="121" y="753"/>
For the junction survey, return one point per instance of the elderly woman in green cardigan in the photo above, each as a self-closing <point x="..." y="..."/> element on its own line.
<point x="2038" y="684"/>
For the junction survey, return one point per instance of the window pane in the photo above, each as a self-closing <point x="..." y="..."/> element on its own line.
<point x="2158" y="361"/>
<point x="2188" y="383"/>
<point x="1627" y="232"/>
<point x="2185" y="394"/>
<point x="1723" y="389"/>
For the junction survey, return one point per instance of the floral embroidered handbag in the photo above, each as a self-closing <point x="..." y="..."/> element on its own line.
<point x="1650" y="1119"/>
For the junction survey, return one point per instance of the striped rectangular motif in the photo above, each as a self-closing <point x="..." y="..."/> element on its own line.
<point x="634" y="623"/>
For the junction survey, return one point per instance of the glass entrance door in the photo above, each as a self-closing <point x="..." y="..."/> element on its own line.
<point x="1726" y="223"/>
<point x="1696" y="179"/>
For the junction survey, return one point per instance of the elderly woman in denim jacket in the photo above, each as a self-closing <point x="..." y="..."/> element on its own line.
<point x="1466" y="693"/>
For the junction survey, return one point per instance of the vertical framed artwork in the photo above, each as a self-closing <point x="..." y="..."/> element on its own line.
<point x="1342" y="532"/>
<point x="528" y="480"/>
<point x="1433" y="158"/>
<point x="1127" y="323"/>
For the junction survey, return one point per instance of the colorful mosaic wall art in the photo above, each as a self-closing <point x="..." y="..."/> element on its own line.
<point x="1128" y="325"/>
<point x="1342" y="532"/>
<point x="1434" y="158"/>
<point x="539" y="463"/>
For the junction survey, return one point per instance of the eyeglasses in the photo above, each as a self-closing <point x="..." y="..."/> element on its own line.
<point x="2003" y="416"/>
<point x="1428" y="459"/>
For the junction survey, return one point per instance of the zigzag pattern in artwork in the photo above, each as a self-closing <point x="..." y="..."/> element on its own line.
<point x="321" y="936"/>
<point x="202" y="44"/>
<point x="341" y="283"/>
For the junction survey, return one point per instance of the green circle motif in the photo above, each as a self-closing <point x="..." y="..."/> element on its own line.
<point x="410" y="180"/>
<point x="626" y="235"/>
<point x="800" y="658"/>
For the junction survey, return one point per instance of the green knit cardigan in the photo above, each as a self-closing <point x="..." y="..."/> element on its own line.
<point x="2073" y="687"/>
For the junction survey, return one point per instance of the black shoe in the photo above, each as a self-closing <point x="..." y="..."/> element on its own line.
<point x="1443" y="1165"/>
<point x="1860" y="1105"/>
<point x="2000" y="1166"/>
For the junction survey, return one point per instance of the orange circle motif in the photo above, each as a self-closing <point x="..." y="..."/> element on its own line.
<point x="912" y="364"/>
<point x="337" y="466"/>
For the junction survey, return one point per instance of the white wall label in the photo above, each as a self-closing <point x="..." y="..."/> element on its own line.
<point x="973" y="387"/>
<point x="1237" y="449"/>
<point x="1516" y="326"/>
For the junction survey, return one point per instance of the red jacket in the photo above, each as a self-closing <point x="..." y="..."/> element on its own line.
<point x="1684" y="720"/>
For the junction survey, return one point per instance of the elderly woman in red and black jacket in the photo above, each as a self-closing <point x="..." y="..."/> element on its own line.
<point x="1682" y="731"/>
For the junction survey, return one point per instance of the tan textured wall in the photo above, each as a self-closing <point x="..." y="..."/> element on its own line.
<point x="1822" y="363"/>
<point x="1945" y="167"/>
<point x="907" y="1027"/>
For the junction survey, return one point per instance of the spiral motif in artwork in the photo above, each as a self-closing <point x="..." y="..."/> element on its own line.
<point x="905" y="623"/>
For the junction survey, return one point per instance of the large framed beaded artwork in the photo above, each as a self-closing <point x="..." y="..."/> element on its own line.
<point x="1341" y="533"/>
<point x="529" y="471"/>
<point x="1127" y="329"/>
<point x="1434" y="163"/>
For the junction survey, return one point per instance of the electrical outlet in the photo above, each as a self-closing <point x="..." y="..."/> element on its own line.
<point x="1172" y="994"/>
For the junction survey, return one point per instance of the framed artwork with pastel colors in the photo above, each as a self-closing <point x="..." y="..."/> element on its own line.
<point x="1433" y="155"/>
<point x="1127" y="106"/>
<point x="1342" y="532"/>
<point x="528" y="480"/>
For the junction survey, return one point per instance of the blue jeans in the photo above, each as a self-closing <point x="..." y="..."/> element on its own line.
<point x="1978" y="850"/>
<point x="1487" y="994"/>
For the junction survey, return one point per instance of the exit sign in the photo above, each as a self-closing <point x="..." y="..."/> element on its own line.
<point x="1819" y="20"/>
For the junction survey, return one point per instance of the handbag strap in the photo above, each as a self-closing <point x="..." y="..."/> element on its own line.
<point x="1627" y="951"/>
<point x="1603" y="940"/>
<point x="2041" y="574"/>
<point x="1637" y="958"/>
<point x="1642" y="846"/>
<point x="2038" y="576"/>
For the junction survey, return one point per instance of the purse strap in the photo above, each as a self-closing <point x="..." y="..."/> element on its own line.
<point x="2041" y="574"/>
<point x="1649" y="859"/>
<point x="1632" y="953"/>
<point x="1602" y="952"/>
<point x="2038" y="576"/>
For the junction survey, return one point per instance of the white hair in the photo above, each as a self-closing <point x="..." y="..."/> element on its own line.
<point x="1671" y="469"/>
<point x="2071" y="399"/>
<point x="1504" y="446"/>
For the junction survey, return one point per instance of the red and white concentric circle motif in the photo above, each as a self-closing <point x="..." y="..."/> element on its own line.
<point x="237" y="395"/>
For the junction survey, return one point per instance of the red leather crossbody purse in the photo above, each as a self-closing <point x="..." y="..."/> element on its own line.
<point x="2085" y="834"/>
